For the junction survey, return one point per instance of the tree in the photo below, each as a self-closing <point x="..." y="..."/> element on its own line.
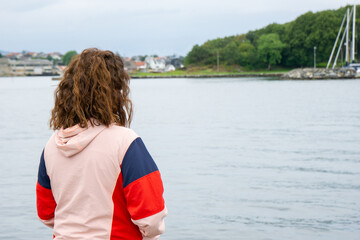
<point x="309" y="30"/>
<point x="247" y="54"/>
<point x="253" y="36"/>
<point x="142" y="58"/>
<point x="68" y="56"/>
<point x="230" y="54"/>
<point x="269" y="49"/>
<point x="197" y="55"/>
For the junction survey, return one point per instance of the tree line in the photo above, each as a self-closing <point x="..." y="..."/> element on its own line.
<point x="287" y="45"/>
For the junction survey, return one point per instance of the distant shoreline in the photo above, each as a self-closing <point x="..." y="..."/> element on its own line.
<point x="182" y="76"/>
<point x="211" y="75"/>
<point x="278" y="75"/>
<point x="202" y="76"/>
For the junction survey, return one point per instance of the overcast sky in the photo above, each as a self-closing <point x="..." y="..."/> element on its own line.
<point x="137" y="27"/>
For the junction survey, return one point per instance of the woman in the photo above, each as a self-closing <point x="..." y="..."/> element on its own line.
<point x="96" y="179"/>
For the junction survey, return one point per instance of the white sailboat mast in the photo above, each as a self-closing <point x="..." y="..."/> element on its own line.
<point x="353" y="37"/>
<point x="347" y="38"/>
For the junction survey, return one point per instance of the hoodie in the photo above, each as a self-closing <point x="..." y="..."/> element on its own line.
<point x="99" y="183"/>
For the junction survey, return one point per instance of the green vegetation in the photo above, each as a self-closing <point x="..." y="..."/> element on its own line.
<point x="224" y="70"/>
<point x="269" y="49"/>
<point x="288" y="45"/>
<point x="67" y="57"/>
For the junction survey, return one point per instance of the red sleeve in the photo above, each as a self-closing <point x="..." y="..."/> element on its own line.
<point x="143" y="190"/>
<point x="144" y="196"/>
<point x="142" y="183"/>
<point x="45" y="202"/>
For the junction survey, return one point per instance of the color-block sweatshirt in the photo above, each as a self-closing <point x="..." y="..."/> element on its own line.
<point x="99" y="183"/>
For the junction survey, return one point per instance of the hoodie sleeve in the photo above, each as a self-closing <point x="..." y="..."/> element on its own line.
<point x="143" y="190"/>
<point x="45" y="202"/>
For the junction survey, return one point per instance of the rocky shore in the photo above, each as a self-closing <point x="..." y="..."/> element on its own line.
<point x="320" y="73"/>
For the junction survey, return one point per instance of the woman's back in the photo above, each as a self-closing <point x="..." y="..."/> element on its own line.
<point x="99" y="182"/>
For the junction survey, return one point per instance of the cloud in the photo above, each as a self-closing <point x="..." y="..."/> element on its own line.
<point x="142" y="26"/>
<point x="21" y="6"/>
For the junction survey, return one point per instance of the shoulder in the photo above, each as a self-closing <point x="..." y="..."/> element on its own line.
<point x="119" y="132"/>
<point x="118" y="136"/>
<point x="50" y="146"/>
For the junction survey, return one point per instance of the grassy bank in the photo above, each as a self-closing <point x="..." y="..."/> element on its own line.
<point x="209" y="72"/>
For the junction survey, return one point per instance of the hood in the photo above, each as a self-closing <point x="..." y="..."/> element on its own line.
<point x="73" y="140"/>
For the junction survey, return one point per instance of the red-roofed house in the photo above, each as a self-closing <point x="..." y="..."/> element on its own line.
<point x="14" y="55"/>
<point x="140" y="66"/>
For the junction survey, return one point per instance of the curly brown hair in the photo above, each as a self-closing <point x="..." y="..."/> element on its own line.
<point x="94" y="89"/>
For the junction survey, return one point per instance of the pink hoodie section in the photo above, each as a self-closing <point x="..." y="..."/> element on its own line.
<point x="72" y="140"/>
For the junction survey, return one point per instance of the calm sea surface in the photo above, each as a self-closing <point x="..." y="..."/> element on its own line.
<point x="240" y="158"/>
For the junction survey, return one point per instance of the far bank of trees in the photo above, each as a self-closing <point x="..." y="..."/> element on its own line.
<point x="287" y="45"/>
<point x="68" y="56"/>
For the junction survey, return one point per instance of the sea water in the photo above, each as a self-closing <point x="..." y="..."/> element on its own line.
<point x="241" y="158"/>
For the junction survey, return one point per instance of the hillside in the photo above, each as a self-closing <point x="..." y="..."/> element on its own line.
<point x="286" y="45"/>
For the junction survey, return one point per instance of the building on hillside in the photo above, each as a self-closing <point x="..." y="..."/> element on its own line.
<point x="169" y="68"/>
<point x="61" y="69"/>
<point x="55" y="55"/>
<point x="41" y="55"/>
<point x="129" y="65"/>
<point x="155" y="64"/>
<point x="14" y="55"/>
<point x="31" y="67"/>
<point x="5" y="69"/>
<point x="140" y="66"/>
<point x="30" y="55"/>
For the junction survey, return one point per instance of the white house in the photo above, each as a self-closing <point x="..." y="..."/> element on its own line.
<point x="155" y="64"/>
